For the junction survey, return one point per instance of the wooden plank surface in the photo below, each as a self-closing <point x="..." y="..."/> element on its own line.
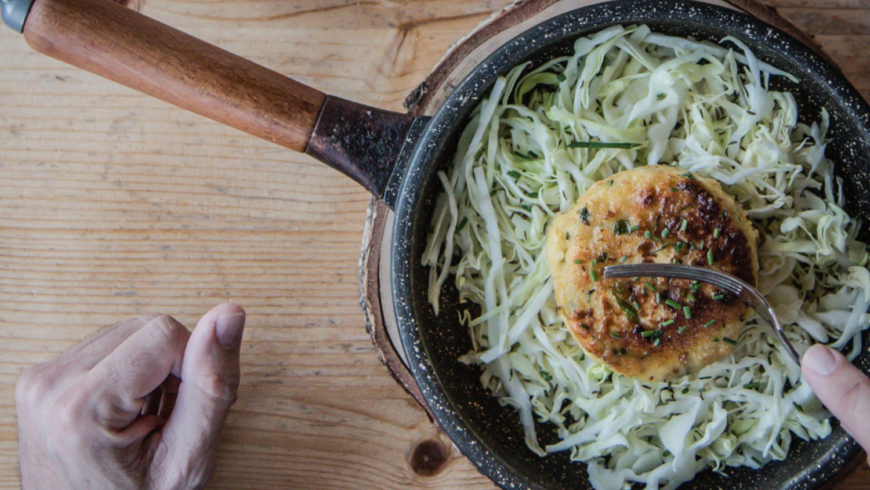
<point x="113" y="204"/>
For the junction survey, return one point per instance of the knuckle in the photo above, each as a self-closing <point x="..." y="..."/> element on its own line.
<point x="857" y="396"/>
<point x="66" y="421"/>
<point x="219" y="387"/>
<point x="32" y="387"/>
<point x="167" y="326"/>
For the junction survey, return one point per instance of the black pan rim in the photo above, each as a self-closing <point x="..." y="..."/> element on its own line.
<point x="616" y="12"/>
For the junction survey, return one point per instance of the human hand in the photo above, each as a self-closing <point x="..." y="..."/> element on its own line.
<point x="843" y="389"/>
<point x="79" y="416"/>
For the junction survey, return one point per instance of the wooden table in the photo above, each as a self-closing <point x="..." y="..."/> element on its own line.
<point x="114" y="204"/>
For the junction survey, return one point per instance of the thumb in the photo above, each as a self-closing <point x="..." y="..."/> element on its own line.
<point x="843" y="389"/>
<point x="209" y="382"/>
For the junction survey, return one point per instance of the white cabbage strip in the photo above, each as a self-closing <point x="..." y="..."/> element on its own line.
<point x="700" y="106"/>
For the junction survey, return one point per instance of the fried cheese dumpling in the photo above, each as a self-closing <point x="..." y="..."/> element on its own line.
<point x="652" y="329"/>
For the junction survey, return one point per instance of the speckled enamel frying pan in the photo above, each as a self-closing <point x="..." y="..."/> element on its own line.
<point x="396" y="156"/>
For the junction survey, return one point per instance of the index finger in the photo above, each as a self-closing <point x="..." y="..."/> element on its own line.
<point x="136" y="368"/>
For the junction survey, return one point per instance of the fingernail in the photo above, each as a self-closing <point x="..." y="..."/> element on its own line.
<point x="820" y="360"/>
<point x="229" y="330"/>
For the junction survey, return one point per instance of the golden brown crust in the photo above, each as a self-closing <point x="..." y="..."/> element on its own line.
<point x="652" y="214"/>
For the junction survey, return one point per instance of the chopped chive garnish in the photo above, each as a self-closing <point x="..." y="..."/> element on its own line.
<point x="666" y="454"/>
<point x="635" y="304"/>
<point x="730" y="341"/>
<point x="647" y="333"/>
<point x="593" y="275"/>
<point x="584" y="215"/>
<point x="561" y="77"/>
<point x="657" y="239"/>
<point x="709" y="324"/>
<point x="678" y="246"/>
<point x="751" y="386"/>
<point x="667" y="322"/>
<point x="567" y="236"/>
<point x="687" y="312"/>
<point x="718" y="297"/>
<point x="710" y="256"/>
<point x="618" y="289"/>
<point x="798" y="407"/>
<point x="715" y="339"/>
<point x="533" y="195"/>
<point x="685" y="390"/>
<point x="694" y="286"/>
<point x="624" y="258"/>
<point x="716" y="233"/>
<point x="485" y="337"/>
<point x="701" y="246"/>
<point x="660" y="96"/>
<point x="621" y="227"/>
<point x="610" y="183"/>
<point x="578" y="261"/>
<point x="759" y="463"/>
<point x="628" y="309"/>
<point x="647" y="234"/>
<point x="494" y="192"/>
<point x="688" y="175"/>
<point x="691" y="298"/>
<point x="514" y="174"/>
<point x="660" y="248"/>
<point x="659" y="298"/>
<point x="524" y="157"/>
<point x="615" y="335"/>
<point x="702" y="390"/>
<point x="684" y="225"/>
<point x="665" y="233"/>
<point x="533" y="154"/>
<point x="462" y="224"/>
<point x="584" y="326"/>
<point x="547" y="376"/>
<point x="674" y="189"/>
<point x="600" y="144"/>
<point x="657" y="341"/>
<point x="681" y="330"/>
<point x="634" y="228"/>
<point x="673" y="304"/>
<point x="651" y="286"/>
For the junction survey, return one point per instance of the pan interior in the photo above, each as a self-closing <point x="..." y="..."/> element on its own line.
<point x="490" y="434"/>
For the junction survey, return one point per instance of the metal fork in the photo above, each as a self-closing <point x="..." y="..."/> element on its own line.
<point x="720" y="279"/>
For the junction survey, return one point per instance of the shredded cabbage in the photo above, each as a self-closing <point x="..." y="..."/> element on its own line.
<point x="697" y="105"/>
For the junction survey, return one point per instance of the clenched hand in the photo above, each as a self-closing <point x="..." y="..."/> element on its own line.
<point x="79" y="416"/>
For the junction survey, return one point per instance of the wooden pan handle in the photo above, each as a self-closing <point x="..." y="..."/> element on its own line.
<point x="117" y="43"/>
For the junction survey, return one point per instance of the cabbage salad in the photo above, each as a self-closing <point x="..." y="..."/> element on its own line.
<point x="629" y="97"/>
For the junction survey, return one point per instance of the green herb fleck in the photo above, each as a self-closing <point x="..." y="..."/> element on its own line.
<point x="684" y="225"/>
<point x="660" y="96"/>
<point x="462" y="224"/>
<point x="514" y="174"/>
<point x="665" y="233"/>
<point x="584" y="326"/>
<point x="647" y="234"/>
<point x="610" y="182"/>
<point x="657" y="341"/>
<point x="730" y="341"/>
<point x="673" y="304"/>
<point x="593" y="275"/>
<point x="615" y="335"/>
<point x="578" y="261"/>
<point x="695" y="286"/>
<point x="798" y="407"/>
<point x="659" y="298"/>
<point x="533" y="195"/>
<point x="759" y="463"/>
<point x="688" y="175"/>
<point x="547" y="376"/>
<point x="709" y="324"/>
<point x="691" y="298"/>
<point x="681" y="330"/>
<point x="628" y="309"/>
<point x="685" y="390"/>
<point x="634" y="228"/>
<point x="716" y="233"/>
<point x="666" y="454"/>
<point x="584" y="215"/>
<point x="687" y="312"/>
<point x="524" y="157"/>
<point x="651" y="286"/>
<point x="561" y="77"/>
<point x="674" y="189"/>
<point x="667" y="322"/>
<point x="751" y="386"/>
<point x="647" y="333"/>
<point x="710" y="256"/>
<point x="715" y="339"/>
<point x="567" y="236"/>
<point x="718" y="297"/>
<point x="621" y="227"/>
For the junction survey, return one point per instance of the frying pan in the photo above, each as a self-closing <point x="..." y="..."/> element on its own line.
<point x="396" y="157"/>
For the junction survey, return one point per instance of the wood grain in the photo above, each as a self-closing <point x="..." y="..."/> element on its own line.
<point x="105" y="38"/>
<point x="114" y="204"/>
